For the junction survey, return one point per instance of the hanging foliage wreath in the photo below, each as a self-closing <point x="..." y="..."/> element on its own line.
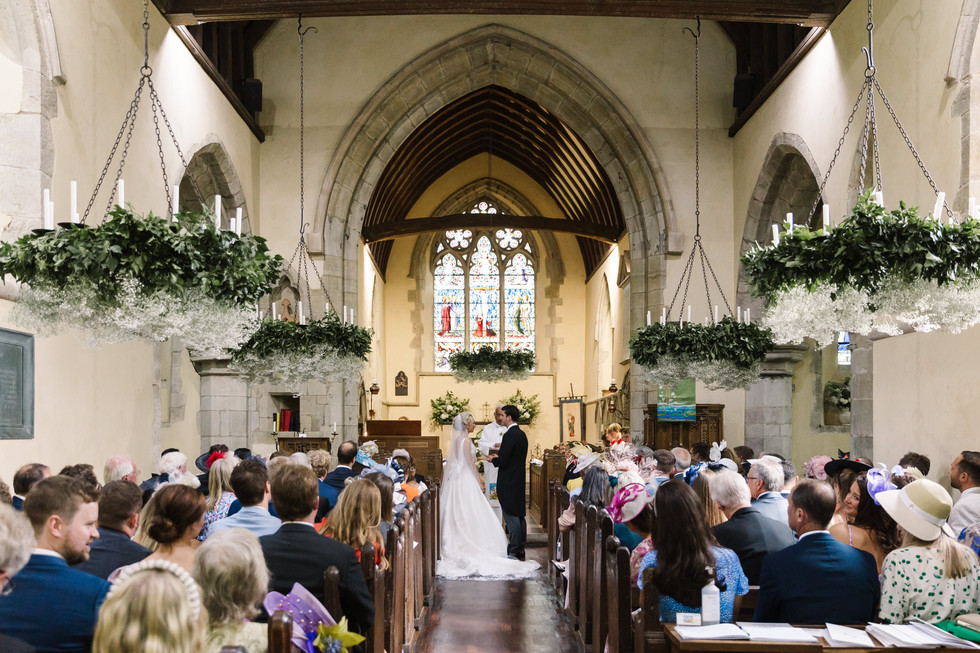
<point x="142" y="278"/>
<point x="489" y="364"/>
<point x="286" y="353"/>
<point x="723" y="355"/>
<point x="877" y="270"/>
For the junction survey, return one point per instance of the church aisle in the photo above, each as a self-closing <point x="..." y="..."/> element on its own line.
<point x="498" y="616"/>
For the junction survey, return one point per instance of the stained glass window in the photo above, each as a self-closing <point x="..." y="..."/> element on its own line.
<point x="483" y="285"/>
<point x="843" y="348"/>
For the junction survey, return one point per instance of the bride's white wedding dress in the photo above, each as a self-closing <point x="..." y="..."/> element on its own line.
<point x="473" y="542"/>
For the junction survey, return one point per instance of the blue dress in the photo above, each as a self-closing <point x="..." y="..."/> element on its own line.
<point x="727" y="568"/>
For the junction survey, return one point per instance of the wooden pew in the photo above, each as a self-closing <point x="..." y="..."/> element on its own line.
<point x="618" y="604"/>
<point x="331" y="592"/>
<point x="747" y="610"/>
<point x="394" y="612"/>
<point x="375" y="580"/>
<point x="575" y="564"/>
<point x="280" y="632"/>
<point x="597" y="595"/>
<point x="648" y="632"/>
<point x="586" y="560"/>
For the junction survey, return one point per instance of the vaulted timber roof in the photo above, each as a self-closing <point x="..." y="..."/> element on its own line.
<point x="494" y="120"/>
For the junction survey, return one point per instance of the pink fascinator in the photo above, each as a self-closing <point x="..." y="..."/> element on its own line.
<point x="305" y="609"/>
<point x="628" y="502"/>
<point x="814" y="468"/>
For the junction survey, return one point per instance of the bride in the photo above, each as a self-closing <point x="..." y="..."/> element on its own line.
<point x="473" y="542"/>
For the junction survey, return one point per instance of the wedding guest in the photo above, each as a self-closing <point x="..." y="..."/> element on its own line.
<point x="6" y="496"/>
<point x="632" y="506"/>
<point x="971" y="537"/>
<point x="682" y="460"/>
<point x="204" y="462"/>
<point x="790" y="479"/>
<point x="142" y="535"/>
<point x="595" y="486"/>
<point x="902" y="476"/>
<point x="50" y="605"/>
<point x="220" y="493"/>
<point x="83" y="472"/>
<point x="842" y="473"/>
<point x="685" y="549"/>
<point x="765" y="480"/>
<point x="700" y="452"/>
<point x="387" y="489"/>
<point x="744" y="452"/>
<point x="749" y="533"/>
<point x="16" y="542"/>
<point x="154" y="607"/>
<point x="250" y="483"/>
<point x="917" y="460"/>
<point x="931" y="577"/>
<point x="701" y="486"/>
<point x="176" y="523"/>
<point x="320" y="461"/>
<point x="158" y="478"/>
<point x="119" y="513"/>
<point x="24" y="480"/>
<point x="613" y="435"/>
<point x="231" y="571"/>
<point x="355" y="521"/>
<point x="120" y="468"/>
<point x="665" y="465"/>
<point x="871" y="530"/>
<point x="964" y="475"/>
<point x="800" y="583"/>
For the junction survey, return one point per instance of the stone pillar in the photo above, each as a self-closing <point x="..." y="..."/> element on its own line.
<point x="862" y="393"/>
<point x="769" y="403"/>
<point x="224" y="404"/>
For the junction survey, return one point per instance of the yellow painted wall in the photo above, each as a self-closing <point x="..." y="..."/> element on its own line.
<point x="91" y="404"/>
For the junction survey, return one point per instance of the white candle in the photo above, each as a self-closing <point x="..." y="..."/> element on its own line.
<point x="238" y="221"/>
<point x="353" y="320"/>
<point x="663" y="320"/>
<point x="49" y="221"/>
<point x="937" y="209"/>
<point x="300" y="305"/>
<point x="73" y="201"/>
<point x="261" y="314"/>
<point x="971" y="213"/>
<point x="176" y="201"/>
<point x="739" y="314"/>
<point x="879" y="198"/>
<point x="748" y="319"/>
<point x="775" y="234"/>
<point x="789" y="219"/>
<point x="345" y="314"/>
<point x="274" y="311"/>
<point x="217" y="212"/>
<point x="648" y="318"/>
<point x="335" y="427"/>
<point x="826" y="217"/>
<point x="716" y="313"/>
<point x="663" y="315"/>
<point x="122" y="193"/>
<point x="258" y="313"/>
<point x="688" y="312"/>
<point x="45" y="201"/>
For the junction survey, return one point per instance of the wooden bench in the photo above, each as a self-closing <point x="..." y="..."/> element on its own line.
<point x="648" y="632"/>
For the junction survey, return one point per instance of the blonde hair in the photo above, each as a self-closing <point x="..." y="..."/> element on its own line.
<point x="231" y="571"/>
<point x="320" y="460"/>
<point x="702" y="487"/>
<point x="142" y="535"/>
<point x="151" y="610"/>
<point x="956" y="557"/>
<point x="355" y="519"/>
<point x="219" y="480"/>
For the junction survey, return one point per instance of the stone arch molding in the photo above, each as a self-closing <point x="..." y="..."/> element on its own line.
<point x="32" y="67"/>
<point x="493" y="54"/>
<point x="213" y="173"/>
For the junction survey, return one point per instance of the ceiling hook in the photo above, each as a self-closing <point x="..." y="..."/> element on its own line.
<point x="691" y="31"/>
<point x="299" y="27"/>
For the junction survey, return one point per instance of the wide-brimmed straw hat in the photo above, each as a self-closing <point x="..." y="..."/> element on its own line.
<point x="921" y="508"/>
<point x="585" y="461"/>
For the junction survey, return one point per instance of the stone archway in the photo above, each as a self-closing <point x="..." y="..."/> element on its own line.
<point x="495" y="54"/>
<point x="211" y="172"/>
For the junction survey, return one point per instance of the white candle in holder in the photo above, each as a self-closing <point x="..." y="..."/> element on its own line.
<point x="649" y="322"/>
<point x="176" y="202"/>
<point x="45" y="202"/>
<point x="716" y="313"/>
<point x="826" y="217"/>
<point x="73" y="201"/>
<point x="688" y="312"/>
<point x="238" y="221"/>
<point x="739" y="308"/>
<point x="217" y="212"/>
<point x="789" y="219"/>
<point x="300" y="305"/>
<point x="937" y="209"/>
<point x="775" y="234"/>
<point x="122" y="193"/>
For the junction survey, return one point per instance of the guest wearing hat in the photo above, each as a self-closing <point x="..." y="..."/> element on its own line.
<point x="632" y="508"/>
<point x="594" y="488"/>
<point x="932" y="577"/>
<point x="842" y="473"/>
<point x="871" y="529"/>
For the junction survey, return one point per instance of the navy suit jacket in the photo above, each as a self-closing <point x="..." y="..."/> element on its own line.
<point x="773" y="506"/>
<point x="18" y="503"/>
<point x="818" y="580"/>
<point x="337" y="478"/>
<point x="52" y="606"/>
<point x="111" y="551"/>
<point x="296" y="553"/>
<point x="752" y="536"/>
<point x="328" y="499"/>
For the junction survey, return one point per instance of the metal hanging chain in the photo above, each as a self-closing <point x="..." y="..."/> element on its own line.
<point x="129" y="122"/>
<point x="698" y="248"/>
<point x="870" y="131"/>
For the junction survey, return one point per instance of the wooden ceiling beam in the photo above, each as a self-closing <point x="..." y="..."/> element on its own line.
<point x="811" y="13"/>
<point x="415" y="226"/>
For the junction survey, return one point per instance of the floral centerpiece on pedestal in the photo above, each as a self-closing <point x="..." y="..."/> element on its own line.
<point x="877" y="270"/>
<point x="489" y="364"/>
<point x="837" y="395"/>
<point x="284" y="352"/>
<point x="447" y="407"/>
<point x="528" y="408"/>
<point x="725" y="354"/>
<point x="142" y="278"/>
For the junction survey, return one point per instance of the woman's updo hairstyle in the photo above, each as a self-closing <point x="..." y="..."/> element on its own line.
<point x="178" y="507"/>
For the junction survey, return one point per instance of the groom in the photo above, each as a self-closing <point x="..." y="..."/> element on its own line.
<point x="511" y="464"/>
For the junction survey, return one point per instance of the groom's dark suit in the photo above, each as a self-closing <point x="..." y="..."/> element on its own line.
<point x="511" y="463"/>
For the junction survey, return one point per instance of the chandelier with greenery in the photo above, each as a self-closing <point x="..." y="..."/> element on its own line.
<point x="489" y="364"/>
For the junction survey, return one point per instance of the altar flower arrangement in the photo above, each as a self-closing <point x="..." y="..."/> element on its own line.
<point x="528" y="408"/>
<point x="489" y="364"/>
<point x="877" y="270"/>
<point x="142" y="278"/>
<point x="724" y="354"/>
<point x="447" y="407"/>
<point x="286" y="353"/>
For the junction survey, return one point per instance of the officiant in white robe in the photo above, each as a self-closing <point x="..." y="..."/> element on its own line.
<point x="490" y="438"/>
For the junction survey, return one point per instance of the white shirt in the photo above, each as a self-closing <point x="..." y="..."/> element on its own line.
<point x="966" y="511"/>
<point x="491" y="436"/>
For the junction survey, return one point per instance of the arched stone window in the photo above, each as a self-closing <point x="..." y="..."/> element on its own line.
<point x="483" y="290"/>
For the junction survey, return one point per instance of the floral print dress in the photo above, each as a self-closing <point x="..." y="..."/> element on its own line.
<point x="220" y="511"/>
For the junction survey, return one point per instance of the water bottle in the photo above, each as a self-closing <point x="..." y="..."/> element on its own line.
<point x="710" y="601"/>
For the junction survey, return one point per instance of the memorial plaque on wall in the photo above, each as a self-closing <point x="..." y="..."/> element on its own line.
<point x="401" y="384"/>
<point x="16" y="385"/>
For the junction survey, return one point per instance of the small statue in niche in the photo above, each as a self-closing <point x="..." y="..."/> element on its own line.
<point x="401" y="384"/>
<point x="287" y="311"/>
